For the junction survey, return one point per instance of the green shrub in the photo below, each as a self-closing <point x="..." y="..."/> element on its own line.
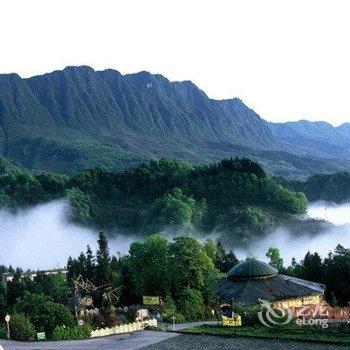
<point x="179" y="318"/>
<point x="191" y="304"/>
<point x="21" y="328"/>
<point x="44" y="313"/>
<point x="249" y="314"/>
<point x="168" y="308"/>
<point x="72" y="333"/>
<point x="3" y="334"/>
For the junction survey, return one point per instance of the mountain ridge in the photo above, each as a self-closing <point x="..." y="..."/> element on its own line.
<point x="77" y="117"/>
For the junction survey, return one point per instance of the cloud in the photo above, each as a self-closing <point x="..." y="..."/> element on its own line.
<point x="42" y="237"/>
<point x="291" y="245"/>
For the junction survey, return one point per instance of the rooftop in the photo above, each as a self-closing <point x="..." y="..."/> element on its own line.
<point x="252" y="268"/>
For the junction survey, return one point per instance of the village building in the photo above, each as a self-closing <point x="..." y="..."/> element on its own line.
<point x="8" y="276"/>
<point x="254" y="280"/>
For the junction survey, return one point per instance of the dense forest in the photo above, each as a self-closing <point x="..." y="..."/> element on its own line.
<point x="182" y="271"/>
<point x="327" y="187"/>
<point x="234" y="196"/>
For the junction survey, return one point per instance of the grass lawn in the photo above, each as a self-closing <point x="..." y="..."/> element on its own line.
<point x="305" y="333"/>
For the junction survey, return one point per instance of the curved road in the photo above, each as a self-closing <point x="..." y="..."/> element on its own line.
<point x="151" y="340"/>
<point x="127" y="341"/>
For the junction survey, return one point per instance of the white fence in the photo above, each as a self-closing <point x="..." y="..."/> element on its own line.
<point x="125" y="328"/>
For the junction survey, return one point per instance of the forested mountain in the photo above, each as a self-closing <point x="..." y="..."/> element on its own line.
<point x="78" y="118"/>
<point x="326" y="187"/>
<point x="344" y="129"/>
<point x="234" y="196"/>
<point x="7" y="167"/>
<point x="319" y="138"/>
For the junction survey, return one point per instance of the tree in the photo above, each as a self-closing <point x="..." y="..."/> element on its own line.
<point x="311" y="268"/>
<point x="173" y="209"/>
<point x="21" y="328"/>
<point x="189" y="264"/>
<point x="43" y="312"/>
<point x="55" y="286"/>
<point x="103" y="266"/>
<point x="337" y="271"/>
<point x="149" y="266"/>
<point x="191" y="304"/>
<point x="224" y="261"/>
<point x="89" y="265"/>
<point x="3" y="301"/>
<point x="15" y="288"/>
<point x="80" y="205"/>
<point x="276" y="260"/>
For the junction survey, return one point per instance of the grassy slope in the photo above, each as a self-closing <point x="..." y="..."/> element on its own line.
<point x="290" y="333"/>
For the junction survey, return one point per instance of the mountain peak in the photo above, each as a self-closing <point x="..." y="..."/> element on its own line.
<point x="82" y="68"/>
<point x="78" y="117"/>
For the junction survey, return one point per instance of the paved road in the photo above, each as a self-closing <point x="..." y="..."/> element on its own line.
<point x="181" y="326"/>
<point x="200" y="342"/>
<point x="132" y="341"/>
<point x="150" y="340"/>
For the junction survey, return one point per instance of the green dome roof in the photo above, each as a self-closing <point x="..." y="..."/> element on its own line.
<point x="252" y="268"/>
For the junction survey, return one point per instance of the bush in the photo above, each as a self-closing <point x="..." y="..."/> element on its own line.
<point x="3" y="333"/>
<point x="72" y="333"/>
<point x="168" y="309"/>
<point x="179" y="318"/>
<point x="54" y="314"/>
<point x="191" y="304"/>
<point x="21" y="328"/>
<point x="249" y="314"/>
<point x="44" y="313"/>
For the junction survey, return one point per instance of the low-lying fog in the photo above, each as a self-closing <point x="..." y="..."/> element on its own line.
<point x="290" y="246"/>
<point x="42" y="237"/>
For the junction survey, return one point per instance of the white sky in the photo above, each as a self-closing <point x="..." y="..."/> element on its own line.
<point x="286" y="59"/>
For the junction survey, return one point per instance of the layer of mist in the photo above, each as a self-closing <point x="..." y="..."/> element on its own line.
<point x="42" y="237"/>
<point x="292" y="246"/>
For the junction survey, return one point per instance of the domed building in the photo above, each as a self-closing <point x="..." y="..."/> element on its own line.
<point x="252" y="280"/>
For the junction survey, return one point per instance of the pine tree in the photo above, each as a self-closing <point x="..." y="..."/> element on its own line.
<point x="90" y="265"/>
<point x="103" y="267"/>
<point x="81" y="265"/>
<point x="71" y="273"/>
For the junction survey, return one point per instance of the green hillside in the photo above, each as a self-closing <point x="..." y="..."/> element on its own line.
<point x="77" y="118"/>
<point x="8" y="167"/>
<point x="234" y="197"/>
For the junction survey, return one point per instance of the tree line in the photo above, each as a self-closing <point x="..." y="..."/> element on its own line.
<point x="333" y="271"/>
<point x="234" y="196"/>
<point x="327" y="187"/>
